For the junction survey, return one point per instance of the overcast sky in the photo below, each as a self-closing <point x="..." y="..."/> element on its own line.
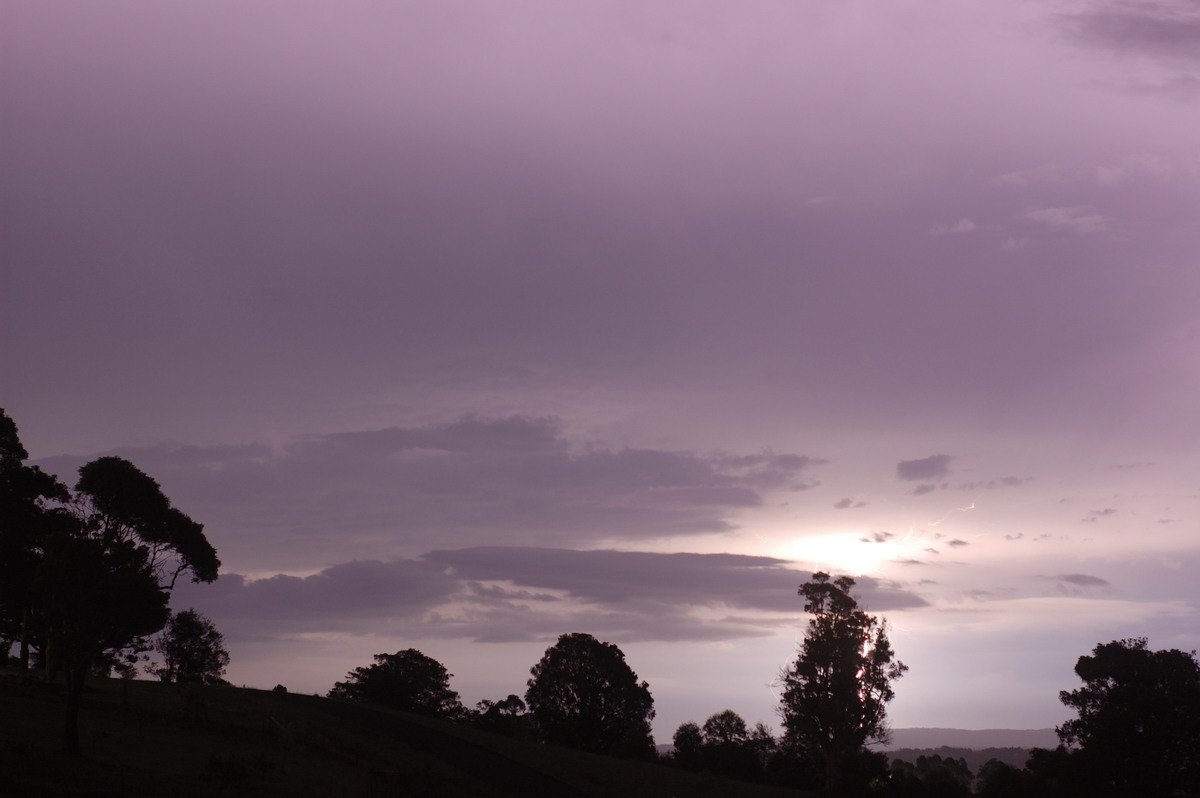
<point x="461" y="325"/>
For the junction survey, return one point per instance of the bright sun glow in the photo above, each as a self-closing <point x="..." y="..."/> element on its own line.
<point x="850" y="552"/>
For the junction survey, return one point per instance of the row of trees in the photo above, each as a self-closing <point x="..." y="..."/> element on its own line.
<point x="833" y="705"/>
<point x="1136" y="733"/>
<point x="86" y="574"/>
<point x="726" y="745"/>
<point x="582" y="694"/>
<point x="1137" y="730"/>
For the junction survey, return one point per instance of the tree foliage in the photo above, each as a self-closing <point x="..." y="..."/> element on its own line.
<point x="929" y="777"/>
<point x="763" y="744"/>
<point x="407" y="680"/>
<point x="583" y="694"/>
<point x="725" y="728"/>
<point x="118" y="503"/>
<point x="192" y="649"/>
<point x="94" y="599"/>
<point x="836" y="692"/>
<point x="506" y="716"/>
<point x="727" y="746"/>
<point x="1138" y="725"/>
<point x="27" y="496"/>
<point x="689" y="744"/>
<point x="997" y="779"/>
<point x="89" y="575"/>
<point x="512" y="706"/>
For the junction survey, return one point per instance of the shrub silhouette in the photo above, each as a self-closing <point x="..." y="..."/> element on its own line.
<point x="407" y="680"/>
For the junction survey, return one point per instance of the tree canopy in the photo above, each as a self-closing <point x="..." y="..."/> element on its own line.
<point x="506" y="716"/>
<point x="689" y="743"/>
<point x="193" y="650"/>
<point x="89" y="575"/>
<point x="1138" y="725"/>
<point x="120" y="503"/>
<point x="27" y="497"/>
<point x="836" y="692"/>
<point x="407" y="680"/>
<point x="725" y="745"/>
<point x="725" y="727"/>
<point x="583" y="694"/>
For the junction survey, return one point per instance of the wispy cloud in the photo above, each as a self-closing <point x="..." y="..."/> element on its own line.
<point x="1139" y="166"/>
<point x="1167" y="29"/>
<point x="937" y="465"/>
<point x="1034" y="176"/>
<point x="962" y="226"/>
<point x="1077" y="219"/>
<point x="993" y="484"/>
<point x="1077" y="584"/>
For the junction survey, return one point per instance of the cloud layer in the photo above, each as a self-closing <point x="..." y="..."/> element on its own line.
<point x="505" y="594"/>
<point x="477" y="480"/>
<point x="529" y="317"/>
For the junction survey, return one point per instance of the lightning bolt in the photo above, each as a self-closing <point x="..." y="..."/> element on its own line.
<point x="946" y="517"/>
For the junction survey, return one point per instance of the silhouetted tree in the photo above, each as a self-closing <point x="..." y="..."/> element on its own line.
<point x="94" y="600"/>
<point x="507" y="716"/>
<point x="689" y="744"/>
<point x="726" y="746"/>
<point x="107" y="575"/>
<point x="762" y="744"/>
<point x="407" y="680"/>
<point x="88" y="577"/>
<point x="727" y="749"/>
<point x="998" y="779"/>
<point x="193" y="650"/>
<point x="929" y="777"/>
<point x="117" y="503"/>
<point x="27" y="496"/>
<point x="1138" y="730"/>
<point x="725" y="728"/>
<point x="583" y="694"/>
<point x="1058" y="773"/>
<point x="512" y="706"/>
<point x="836" y="692"/>
<point x="900" y="782"/>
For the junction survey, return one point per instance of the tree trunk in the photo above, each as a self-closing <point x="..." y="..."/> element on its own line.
<point x="24" y="666"/>
<point x="835" y="773"/>
<point x="76" y="675"/>
<point x="50" y="659"/>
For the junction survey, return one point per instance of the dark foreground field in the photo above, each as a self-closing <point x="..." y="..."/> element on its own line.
<point x="155" y="739"/>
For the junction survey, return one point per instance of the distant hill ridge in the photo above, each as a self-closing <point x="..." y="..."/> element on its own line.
<point x="977" y="739"/>
<point x="974" y="757"/>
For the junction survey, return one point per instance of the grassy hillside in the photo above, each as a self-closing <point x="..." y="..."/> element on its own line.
<point x="154" y="739"/>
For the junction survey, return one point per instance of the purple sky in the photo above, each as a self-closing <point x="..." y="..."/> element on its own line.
<point x="462" y="325"/>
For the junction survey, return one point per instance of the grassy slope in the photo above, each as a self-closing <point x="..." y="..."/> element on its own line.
<point x="148" y="739"/>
